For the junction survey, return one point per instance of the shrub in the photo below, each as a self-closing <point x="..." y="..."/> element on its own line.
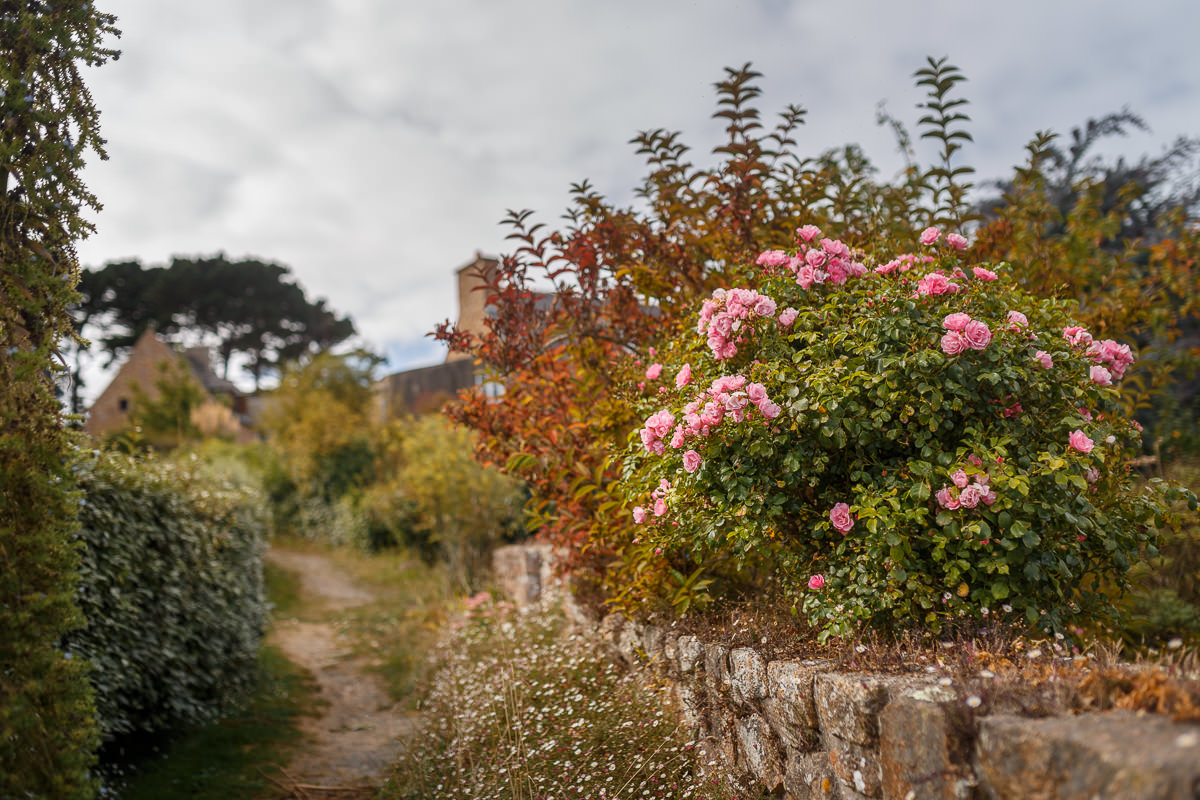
<point x="909" y="442"/>
<point x="171" y="586"/>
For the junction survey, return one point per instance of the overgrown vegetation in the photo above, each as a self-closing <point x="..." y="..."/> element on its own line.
<point x="47" y="730"/>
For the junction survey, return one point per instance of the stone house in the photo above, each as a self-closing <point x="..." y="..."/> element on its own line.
<point x="225" y="410"/>
<point x="426" y="389"/>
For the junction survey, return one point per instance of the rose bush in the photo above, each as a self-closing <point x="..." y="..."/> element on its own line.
<point x="904" y="440"/>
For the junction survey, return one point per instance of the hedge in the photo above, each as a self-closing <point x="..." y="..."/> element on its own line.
<point x="172" y="590"/>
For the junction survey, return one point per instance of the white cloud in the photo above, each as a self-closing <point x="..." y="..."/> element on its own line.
<point x="374" y="145"/>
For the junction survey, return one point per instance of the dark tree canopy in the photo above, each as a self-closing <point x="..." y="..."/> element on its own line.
<point x="248" y="307"/>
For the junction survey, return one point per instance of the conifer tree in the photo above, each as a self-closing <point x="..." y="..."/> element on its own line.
<point x="47" y="122"/>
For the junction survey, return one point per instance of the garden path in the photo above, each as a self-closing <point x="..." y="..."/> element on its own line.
<point x="354" y="740"/>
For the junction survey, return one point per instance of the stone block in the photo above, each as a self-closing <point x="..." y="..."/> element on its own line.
<point x="691" y="653"/>
<point x="610" y="628"/>
<point x="747" y="676"/>
<point x="629" y="642"/>
<point x="848" y="705"/>
<point x="691" y="705"/>
<point x="653" y="638"/>
<point x="1117" y="755"/>
<point x="856" y="766"/>
<point x="925" y="745"/>
<point x="789" y="706"/>
<point x="758" y="752"/>
<point x="809" y="776"/>
<point x="716" y="669"/>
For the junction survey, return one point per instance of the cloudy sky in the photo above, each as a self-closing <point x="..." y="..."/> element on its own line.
<point x="374" y="145"/>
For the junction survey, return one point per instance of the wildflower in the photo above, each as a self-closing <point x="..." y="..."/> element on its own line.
<point x="974" y="701"/>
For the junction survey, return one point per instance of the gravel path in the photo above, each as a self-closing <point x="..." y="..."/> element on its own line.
<point x="355" y="741"/>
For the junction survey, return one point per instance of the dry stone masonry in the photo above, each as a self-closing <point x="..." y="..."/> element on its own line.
<point x="803" y="730"/>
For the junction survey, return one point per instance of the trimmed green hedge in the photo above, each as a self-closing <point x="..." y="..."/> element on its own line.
<point x="172" y="589"/>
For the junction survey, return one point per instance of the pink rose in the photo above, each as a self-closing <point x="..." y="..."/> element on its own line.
<point x="840" y="517"/>
<point x="815" y="258"/>
<point x="956" y="241"/>
<point x="971" y="495"/>
<point x="984" y="274"/>
<point x="816" y="582"/>
<point x="956" y="321"/>
<point x="684" y="376"/>
<point x="639" y="514"/>
<point x="692" y="461"/>
<point x="757" y="393"/>
<point x="788" y="316"/>
<point x="1017" y="318"/>
<point x="960" y="479"/>
<point x="947" y="500"/>
<point x="808" y="232"/>
<point x="1100" y="375"/>
<point x="953" y="343"/>
<point x="1079" y="441"/>
<point x="1092" y="475"/>
<point x="660" y="507"/>
<point x="764" y="307"/>
<point x="1077" y="335"/>
<point x="935" y="283"/>
<point x="930" y="235"/>
<point x="772" y="258"/>
<point x="977" y="334"/>
<point x="770" y="410"/>
<point x="1044" y="358"/>
<point x="653" y="371"/>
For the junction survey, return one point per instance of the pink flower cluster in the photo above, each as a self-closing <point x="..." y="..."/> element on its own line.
<point x="962" y="492"/>
<point x="815" y="262"/>
<point x="964" y="333"/>
<point x="722" y="318"/>
<point x="729" y="396"/>
<point x="931" y="235"/>
<point x="903" y="263"/>
<point x="934" y="284"/>
<point x="659" y="507"/>
<point x="658" y="426"/>
<point x="1116" y="356"/>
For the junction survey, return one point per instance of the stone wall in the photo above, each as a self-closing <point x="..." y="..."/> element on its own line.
<point x="804" y="730"/>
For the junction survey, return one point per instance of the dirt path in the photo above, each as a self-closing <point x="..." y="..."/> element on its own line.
<point x="355" y="740"/>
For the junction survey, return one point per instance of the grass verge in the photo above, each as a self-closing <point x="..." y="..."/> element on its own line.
<point x="226" y="759"/>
